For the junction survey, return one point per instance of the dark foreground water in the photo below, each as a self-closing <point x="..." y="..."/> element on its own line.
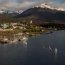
<point x="39" y="51"/>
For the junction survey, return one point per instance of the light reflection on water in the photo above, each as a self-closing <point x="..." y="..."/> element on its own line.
<point x="46" y="49"/>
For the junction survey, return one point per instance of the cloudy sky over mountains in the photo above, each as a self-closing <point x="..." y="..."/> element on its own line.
<point x="24" y="4"/>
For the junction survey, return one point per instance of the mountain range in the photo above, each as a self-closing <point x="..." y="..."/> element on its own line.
<point x="45" y="13"/>
<point x="39" y="14"/>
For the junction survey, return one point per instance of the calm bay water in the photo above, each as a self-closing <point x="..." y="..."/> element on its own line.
<point x="40" y="50"/>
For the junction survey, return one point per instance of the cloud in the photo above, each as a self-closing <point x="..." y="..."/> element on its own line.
<point x="16" y="5"/>
<point x="24" y="4"/>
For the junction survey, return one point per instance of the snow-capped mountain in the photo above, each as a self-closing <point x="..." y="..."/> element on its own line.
<point x="44" y="5"/>
<point x="1" y="11"/>
<point x="8" y="11"/>
<point x="44" y="12"/>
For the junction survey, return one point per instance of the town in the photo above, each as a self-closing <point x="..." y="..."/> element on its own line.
<point x="17" y="31"/>
<point x="13" y="32"/>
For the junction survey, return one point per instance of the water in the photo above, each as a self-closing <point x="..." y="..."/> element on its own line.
<point x="46" y="49"/>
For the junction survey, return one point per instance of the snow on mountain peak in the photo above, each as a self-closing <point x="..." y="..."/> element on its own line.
<point x="44" y="5"/>
<point x="61" y="9"/>
<point x="1" y="11"/>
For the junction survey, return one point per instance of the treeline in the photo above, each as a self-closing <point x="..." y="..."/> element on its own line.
<point x="54" y="25"/>
<point x="6" y="19"/>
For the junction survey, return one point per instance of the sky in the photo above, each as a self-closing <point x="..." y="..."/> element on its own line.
<point x="25" y="4"/>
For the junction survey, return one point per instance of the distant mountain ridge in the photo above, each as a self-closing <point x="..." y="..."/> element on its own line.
<point x="8" y="13"/>
<point x="45" y="14"/>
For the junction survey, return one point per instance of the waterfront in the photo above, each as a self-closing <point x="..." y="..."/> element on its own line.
<point x="10" y="32"/>
<point x="39" y="50"/>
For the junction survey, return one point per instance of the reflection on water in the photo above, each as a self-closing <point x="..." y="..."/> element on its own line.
<point x="46" y="49"/>
<point x="24" y="40"/>
<point x="56" y="51"/>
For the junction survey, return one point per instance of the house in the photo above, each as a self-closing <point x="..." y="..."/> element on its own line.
<point x="5" y="25"/>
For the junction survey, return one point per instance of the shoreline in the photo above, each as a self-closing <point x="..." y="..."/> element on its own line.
<point x="23" y="37"/>
<point x="18" y="37"/>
